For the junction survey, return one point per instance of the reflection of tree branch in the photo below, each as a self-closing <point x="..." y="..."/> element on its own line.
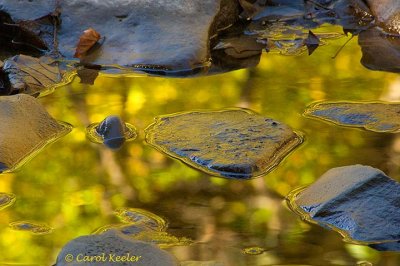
<point x="107" y="157"/>
<point x="393" y="148"/>
<point x="115" y="172"/>
<point x="248" y="88"/>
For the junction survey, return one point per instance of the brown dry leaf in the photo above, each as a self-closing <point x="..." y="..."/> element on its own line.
<point x="31" y="75"/>
<point x="86" y="41"/>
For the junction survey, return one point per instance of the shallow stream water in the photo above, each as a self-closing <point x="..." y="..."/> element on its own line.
<point x="74" y="186"/>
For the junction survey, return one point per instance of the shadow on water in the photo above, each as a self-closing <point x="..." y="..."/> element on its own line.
<point x="72" y="187"/>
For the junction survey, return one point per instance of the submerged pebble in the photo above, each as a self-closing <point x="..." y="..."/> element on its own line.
<point x="162" y="239"/>
<point x="145" y="226"/>
<point x="112" y="132"/>
<point x="253" y="250"/>
<point x="233" y="143"/>
<point x="32" y="227"/>
<point x="374" y="116"/>
<point x="141" y="217"/>
<point x="360" y="202"/>
<point x="6" y="199"/>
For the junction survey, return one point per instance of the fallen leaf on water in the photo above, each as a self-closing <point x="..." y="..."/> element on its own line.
<point x="30" y="75"/>
<point x="312" y="42"/>
<point x="86" y="41"/>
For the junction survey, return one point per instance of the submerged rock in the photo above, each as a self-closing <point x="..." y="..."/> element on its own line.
<point x="142" y="218"/>
<point x="6" y="199"/>
<point x="26" y="129"/>
<point x="145" y="226"/>
<point x="228" y="143"/>
<point x="32" y="227"/>
<point x="112" y="132"/>
<point x="113" y="248"/>
<point x="360" y="202"/>
<point x="253" y="250"/>
<point x="374" y="116"/>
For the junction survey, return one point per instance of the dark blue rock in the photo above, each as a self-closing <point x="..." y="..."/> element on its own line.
<point x="112" y="130"/>
<point x="360" y="201"/>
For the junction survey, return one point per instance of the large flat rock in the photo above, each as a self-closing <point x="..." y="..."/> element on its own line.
<point x="26" y="129"/>
<point x="169" y="35"/>
<point x="359" y="201"/>
<point x="227" y="143"/>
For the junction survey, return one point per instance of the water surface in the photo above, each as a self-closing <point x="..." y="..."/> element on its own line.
<point x="74" y="185"/>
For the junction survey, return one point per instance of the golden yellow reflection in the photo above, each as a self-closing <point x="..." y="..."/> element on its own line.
<point x="74" y="185"/>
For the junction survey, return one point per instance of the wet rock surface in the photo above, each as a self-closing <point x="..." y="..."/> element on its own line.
<point x="27" y="128"/>
<point x="387" y="14"/>
<point x="380" y="51"/>
<point x="137" y="33"/>
<point x="181" y="38"/>
<point x="152" y="33"/>
<point x="359" y="201"/>
<point x="228" y="143"/>
<point x="283" y="26"/>
<point x="375" y="116"/>
<point x="113" y="248"/>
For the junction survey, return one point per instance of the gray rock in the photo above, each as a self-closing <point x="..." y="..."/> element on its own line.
<point x="140" y="34"/>
<point x="379" y="51"/>
<point x="26" y="128"/>
<point x="387" y="14"/>
<point x="228" y="143"/>
<point x="27" y="9"/>
<point x="359" y="201"/>
<point x="172" y="34"/>
<point x="106" y="248"/>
